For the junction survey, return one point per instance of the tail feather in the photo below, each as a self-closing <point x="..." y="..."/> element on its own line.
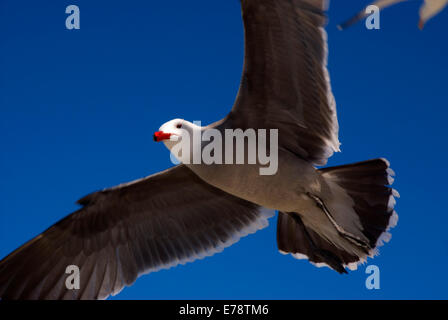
<point x="367" y="184"/>
<point x="294" y="237"/>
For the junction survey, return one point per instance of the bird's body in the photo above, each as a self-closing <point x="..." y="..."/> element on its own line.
<point x="290" y="190"/>
<point x="335" y="216"/>
<point x="282" y="191"/>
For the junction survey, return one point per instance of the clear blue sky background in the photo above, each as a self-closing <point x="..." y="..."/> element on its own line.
<point x="78" y="109"/>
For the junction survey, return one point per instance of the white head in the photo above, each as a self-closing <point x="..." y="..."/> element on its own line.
<point x="171" y="132"/>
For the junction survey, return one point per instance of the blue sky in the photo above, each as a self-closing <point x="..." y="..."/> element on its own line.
<point x="78" y="109"/>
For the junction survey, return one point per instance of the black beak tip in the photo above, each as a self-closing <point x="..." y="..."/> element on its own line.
<point x="154" y="137"/>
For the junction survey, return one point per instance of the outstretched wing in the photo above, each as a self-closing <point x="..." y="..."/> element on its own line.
<point x="429" y="9"/>
<point x="285" y="83"/>
<point x="381" y="4"/>
<point x="120" y="233"/>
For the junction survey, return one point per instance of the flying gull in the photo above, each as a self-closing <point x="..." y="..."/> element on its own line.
<point x="336" y="216"/>
<point x="428" y="10"/>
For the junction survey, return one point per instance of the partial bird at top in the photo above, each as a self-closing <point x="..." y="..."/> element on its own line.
<point x="428" y="10"/>
<point x="336" y="216"/>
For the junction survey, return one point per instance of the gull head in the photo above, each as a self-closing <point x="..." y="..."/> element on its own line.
<point x="173" y="131"/>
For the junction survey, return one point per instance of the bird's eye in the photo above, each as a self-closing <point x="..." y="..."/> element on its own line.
<point x="179" y="125"/>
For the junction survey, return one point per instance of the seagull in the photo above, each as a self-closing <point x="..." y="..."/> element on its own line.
<point x="429" y="9"/>
<point x="333" y="216"/>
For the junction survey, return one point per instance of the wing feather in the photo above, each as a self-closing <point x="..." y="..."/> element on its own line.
<point x="163" y="220"/>
<point x="285" y="83"/>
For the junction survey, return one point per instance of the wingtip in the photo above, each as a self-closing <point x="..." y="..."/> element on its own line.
<point x="342" y="26"/>
<point x="421" y="24"/>
<point x="353" y="20"/>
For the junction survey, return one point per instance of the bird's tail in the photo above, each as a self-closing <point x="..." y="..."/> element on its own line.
<point x="356" y="209"/>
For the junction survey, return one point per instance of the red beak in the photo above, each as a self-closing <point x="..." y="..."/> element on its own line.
<point x="160" y="136"/>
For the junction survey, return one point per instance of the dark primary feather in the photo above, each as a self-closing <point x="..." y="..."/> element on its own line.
<point x="285" y="83"/>
<point x="160" y="221"/>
